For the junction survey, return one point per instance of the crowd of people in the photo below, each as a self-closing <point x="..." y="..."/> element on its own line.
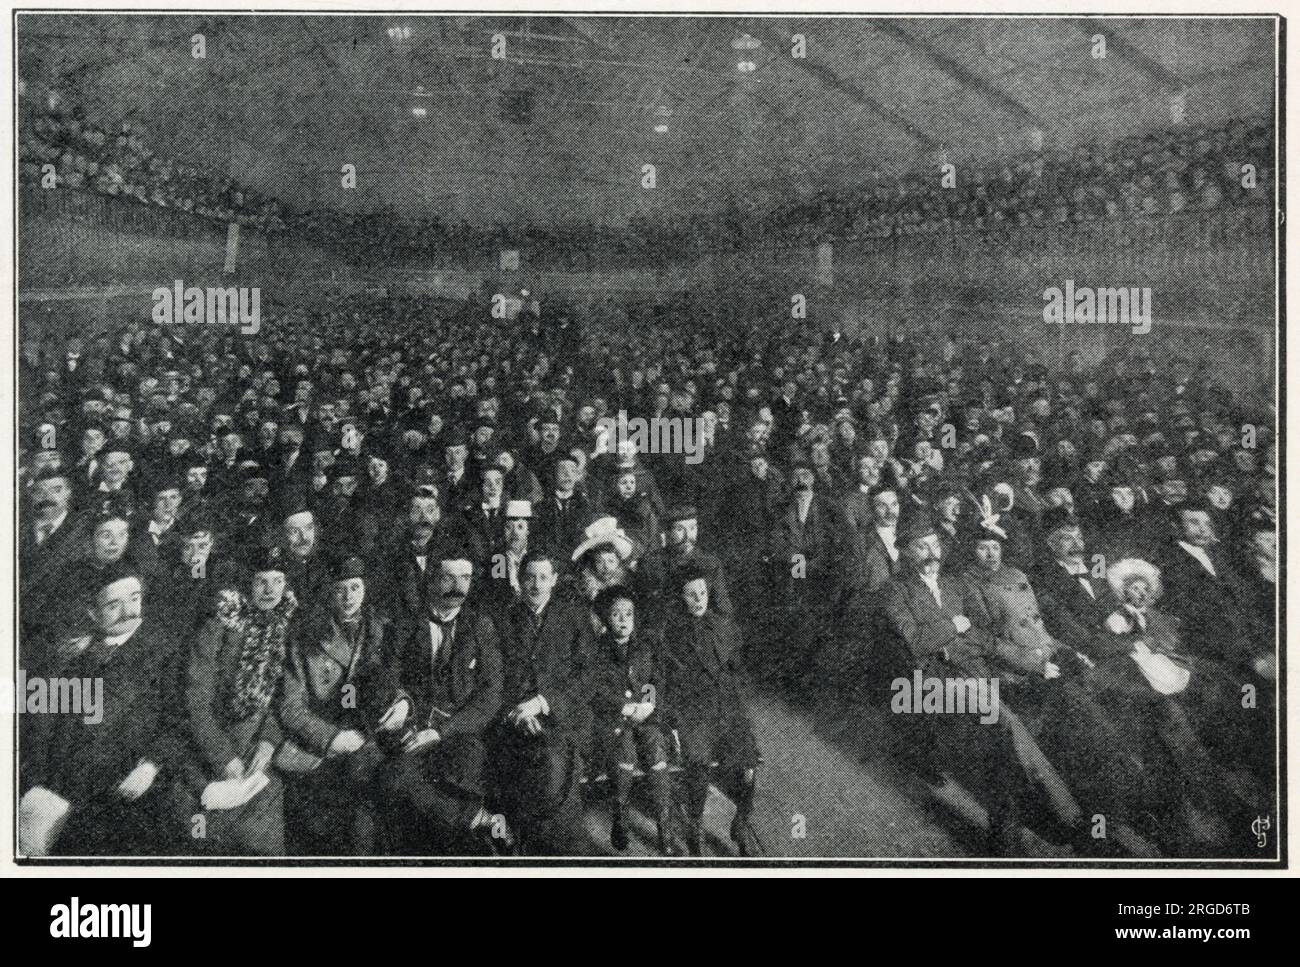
<point x="385" y="578"/>
<point x="117" y="161"/>
<point x="1186" y="169"/>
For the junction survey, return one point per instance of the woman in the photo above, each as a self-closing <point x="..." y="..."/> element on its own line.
<point x="234" y="674"/>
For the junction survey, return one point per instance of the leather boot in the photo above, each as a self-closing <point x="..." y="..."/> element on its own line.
<point x="618" y="827"/>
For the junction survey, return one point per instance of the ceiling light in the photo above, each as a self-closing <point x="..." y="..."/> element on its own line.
<point x="399" y="33"/>
<point x="746" y="42"/>
<point x="420" y="112"/>
<point x="661" y="129"/>
<point x="746" y="67"/>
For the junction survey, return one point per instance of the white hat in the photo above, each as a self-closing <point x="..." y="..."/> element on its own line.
<point x="518" y="509"/>
<point x="605" y="530"/>
<point x="1121" y="572"/>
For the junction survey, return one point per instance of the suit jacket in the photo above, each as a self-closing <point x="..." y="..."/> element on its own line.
<point x="1212" y="610"/>
<point x="559" y="532"/>
<point x="1068" y="612"/>
<point x="43" y="568"/>
<point x="553" y="660"/>
<point x="86" y="762"/>
<point x="400" y="592"/>
<point x="926" y="626"/>
<point x="876" y="568"/>
<point x="331" y="685"/>
<point x="458" y="691"/>
<point x="822" y="539"/>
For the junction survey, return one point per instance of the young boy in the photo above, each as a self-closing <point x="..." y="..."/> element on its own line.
<point x="625" y="702"/>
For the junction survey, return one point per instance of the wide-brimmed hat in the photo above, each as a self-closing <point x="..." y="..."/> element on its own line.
<point x="606" y="531"/>
<point x="1121" y="572"/>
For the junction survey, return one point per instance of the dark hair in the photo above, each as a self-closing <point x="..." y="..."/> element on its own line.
<point x="606" y="599"/>
<point x="535" y="555"/>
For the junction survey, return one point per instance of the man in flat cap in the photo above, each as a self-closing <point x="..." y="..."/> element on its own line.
<point x="339" y="694"/>
<point x="660" y="569"/>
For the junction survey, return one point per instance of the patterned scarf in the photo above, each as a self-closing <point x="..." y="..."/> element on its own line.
<point x="261" y="658"/>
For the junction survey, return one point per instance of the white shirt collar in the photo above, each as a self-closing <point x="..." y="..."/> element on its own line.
<point x="1201" y="556"/>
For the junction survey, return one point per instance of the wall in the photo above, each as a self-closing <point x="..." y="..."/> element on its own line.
<point x="85" y="259"/>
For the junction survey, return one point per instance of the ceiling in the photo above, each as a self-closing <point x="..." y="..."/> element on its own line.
<point x="282" y="102"/>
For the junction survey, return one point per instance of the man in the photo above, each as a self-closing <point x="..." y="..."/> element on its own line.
<point x="485" y="517"/>
<point x="541" y="455"/>
<point x="292" y="472"/>
<point x="456" y="485"/>
<point x="404" y="582"/>
<point x="878" y="547"/>
<point x="1203" y="590"/>
<point x="158" y="546"/>
<point x="539" y="739"/>
<point x="858" y="501"/>
<point x="339" y="695"/>
<point x="809" y="550"/>
<point x="503" y="571"/>
<point x="192" y="579"/>
<point x="661" y="568"/>
<point x="115" y="480"/>
<point x="95" y="781"/>
<point x="564" y="513"/>
<point x="1028" y="469"/>
<point x="450" y="669"/>
<point x="305" y="567"/>
<point x="1072" y="600"/>
<point x="938" y="621"/>
<point x="706" y="686"/>
<point x="49" y="542"/>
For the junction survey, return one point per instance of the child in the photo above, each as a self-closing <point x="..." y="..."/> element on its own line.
<point x="625" y="701"/>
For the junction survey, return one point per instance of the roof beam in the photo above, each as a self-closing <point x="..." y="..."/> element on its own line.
<point x="1118" y="43"/>
<point x="958" y="72"/>
<point x="832" y="81"/>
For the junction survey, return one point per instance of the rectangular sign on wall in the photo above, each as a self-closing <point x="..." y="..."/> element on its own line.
<point x="232" y="247"/>
<point x="825" y="264"/>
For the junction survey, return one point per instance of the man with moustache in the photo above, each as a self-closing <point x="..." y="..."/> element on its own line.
<point x="96" y="783"/>
<point x="1072" y="601"/>
<point x="402" y="590"/>
<point x="449" y="663"/>
<point x="50" y="541"/>
<point x="660" y="569"/>
<point x="940" y="625"/>
<point x="1204" y="591"/>
<point x="305" y="567"/>
<point x="808" y="552"/>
